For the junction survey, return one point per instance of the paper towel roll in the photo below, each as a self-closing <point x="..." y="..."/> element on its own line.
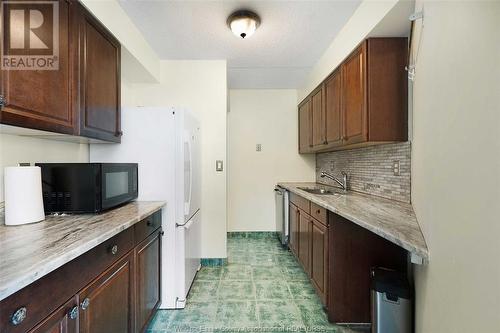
<point x="23" y="195"/>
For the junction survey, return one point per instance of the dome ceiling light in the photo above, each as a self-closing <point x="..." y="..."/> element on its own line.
<point x="243" y="23"/>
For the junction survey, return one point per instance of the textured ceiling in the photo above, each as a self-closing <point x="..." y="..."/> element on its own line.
<point x="292" y="36"/>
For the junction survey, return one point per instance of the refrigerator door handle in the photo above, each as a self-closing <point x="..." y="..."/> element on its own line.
<point x="187" y="143"/>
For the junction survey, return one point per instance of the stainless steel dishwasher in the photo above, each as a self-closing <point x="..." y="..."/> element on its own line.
<point x="281" y="199"/>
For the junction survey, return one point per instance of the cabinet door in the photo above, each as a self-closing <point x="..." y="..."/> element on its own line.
<point x="148" y="261"/>
<point x="100" y="81"/>
<point x="63" y="320"/>
<point x="319" y="258"/>
<point x="333" y="106"/>
<point x="43" y="99"/>
<point x="107" y="304"/>
<point x="318" y="123"/>
<point x="305" y="240"/>
<point x="354" y="97"/>
<point x="305" y="127"/>
<point x="294" y="229"/>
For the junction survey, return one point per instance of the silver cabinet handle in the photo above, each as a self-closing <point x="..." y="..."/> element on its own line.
<point x="73" y="313"/>
<point x="18" y="316"/>
<point x="114" y="249"/>
<point x="85" y="304"/>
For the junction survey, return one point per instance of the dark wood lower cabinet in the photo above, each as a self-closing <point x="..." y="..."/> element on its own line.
<point x="338" y="256"/>
<point x="63" y="320"/>
<point x="114" y="287"/>
<point x="353" y="251"/>
<point x="148" y="267"/>
<point x="305" y="241"/>
<point x="107" y="304"/>
<point x="319" y="258"/>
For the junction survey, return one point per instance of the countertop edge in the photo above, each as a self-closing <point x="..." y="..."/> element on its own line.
<point x="27" y="279"/>
<point x="366" y="225"/>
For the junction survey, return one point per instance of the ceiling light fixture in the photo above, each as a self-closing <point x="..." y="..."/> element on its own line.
<point x="243" y="23"/>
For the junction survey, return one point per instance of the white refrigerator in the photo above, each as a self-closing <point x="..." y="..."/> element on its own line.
<point x="165" y="142"/>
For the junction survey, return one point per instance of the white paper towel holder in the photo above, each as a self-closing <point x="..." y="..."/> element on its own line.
<point x="23" y="195"/>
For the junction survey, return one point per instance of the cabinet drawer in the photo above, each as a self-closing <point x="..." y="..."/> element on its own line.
<point x="47" y="294"/>
<point x="147" y="226"/>
<point x="300" y="202"/>
<point x="319" y="213"/>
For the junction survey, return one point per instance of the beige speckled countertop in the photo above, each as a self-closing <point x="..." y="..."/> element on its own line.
<point x="31" y="251"/>
<point x="392" y="220"/>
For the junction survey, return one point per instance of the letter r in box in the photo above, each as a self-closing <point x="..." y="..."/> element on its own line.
<point x="30" y="35"/>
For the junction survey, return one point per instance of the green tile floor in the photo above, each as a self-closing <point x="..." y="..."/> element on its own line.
<point x="262" y="289"/>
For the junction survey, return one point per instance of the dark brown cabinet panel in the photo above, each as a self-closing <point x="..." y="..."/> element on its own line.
<point x="318" y="118"/>
<point x="107" y="304"/>
<point x="319" y="258"/>
<point x="305" y="127"/>
<point x="294" y="230"/>
<point x="353" y="101"/>
<point x="63" y="320"/>
<point x="353" y="251"/>
<point x="148" y="268"/>
<point x="387" y="87"/>
<point x="100" y="81"/>
<point x="333" y="114"/>
<point x="43" y="99"/>
<point x="81" y="97"/>
<point x="305" y="225"/>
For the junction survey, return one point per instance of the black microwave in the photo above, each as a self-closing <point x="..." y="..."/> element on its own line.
<point x="87" y="187"/>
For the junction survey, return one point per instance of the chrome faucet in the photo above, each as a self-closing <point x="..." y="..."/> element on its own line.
<point x="342" y="183"/>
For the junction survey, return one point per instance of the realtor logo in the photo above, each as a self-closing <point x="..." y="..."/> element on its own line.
<point x="30" y="35"/>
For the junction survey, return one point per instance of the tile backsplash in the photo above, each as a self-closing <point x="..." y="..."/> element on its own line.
<point x="370" y="169"/>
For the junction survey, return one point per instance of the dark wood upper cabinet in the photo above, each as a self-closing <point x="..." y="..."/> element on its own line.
<point x="107" y="304"/>
<point x="305" y="127"/>
<point x="44" y="99"/>
<point x="81" y="97"/>
<point x="365" y="98"/>
<point x="354" y="93"/>
<point x="333" y="114"/>
<point x="148" y="267"/>
<point x="100" y="80"/>
<point x="63" y="320"/>
<point x="318" y="118"/>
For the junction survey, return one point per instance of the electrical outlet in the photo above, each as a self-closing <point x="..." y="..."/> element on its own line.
<point x="396" y="168"/>
<point x="258" y="147"/>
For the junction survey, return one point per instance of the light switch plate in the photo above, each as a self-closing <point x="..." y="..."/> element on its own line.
<point x="219" y="165"/>
<point x="258" y="147"/>
<point x="396" y="168"/>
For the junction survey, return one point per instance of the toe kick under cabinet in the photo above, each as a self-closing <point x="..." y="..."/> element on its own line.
<point x="338" y="255"/>
<point x="114" y="287"/>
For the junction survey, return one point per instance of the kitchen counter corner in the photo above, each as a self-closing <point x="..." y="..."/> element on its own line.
<point x="392" y="220"/>
<point x="29" y="252"/>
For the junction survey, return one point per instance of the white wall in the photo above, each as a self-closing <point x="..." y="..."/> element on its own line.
<point x="456" y="166"/>
<point x="200" y="86"/>
<point x="365" y="19"/>
<point x="144" y="64"/>
<point x="15" y="149"/>
<point x="268" y="117"/>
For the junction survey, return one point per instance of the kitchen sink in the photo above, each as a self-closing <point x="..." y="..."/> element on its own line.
<point x="321" y="191"/>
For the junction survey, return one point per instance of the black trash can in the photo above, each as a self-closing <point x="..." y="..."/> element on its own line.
<point x="391" y="303"/>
